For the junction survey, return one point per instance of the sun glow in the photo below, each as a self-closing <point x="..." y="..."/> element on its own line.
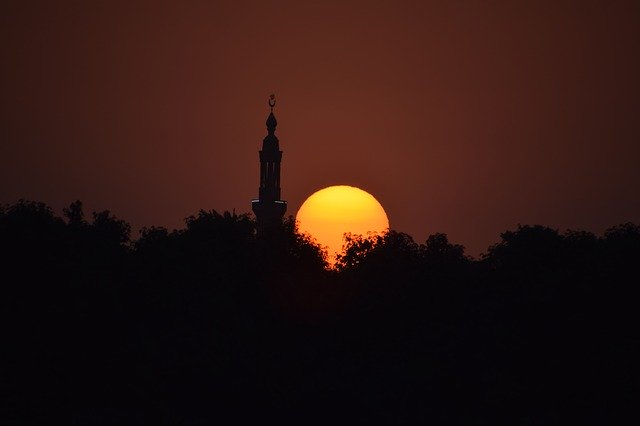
<point x="331" y="212"/>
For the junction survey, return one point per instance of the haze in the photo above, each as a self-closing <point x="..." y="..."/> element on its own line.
<point x="465" y="117"/>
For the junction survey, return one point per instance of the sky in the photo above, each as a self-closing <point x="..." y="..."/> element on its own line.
<point x="462" y="117"/>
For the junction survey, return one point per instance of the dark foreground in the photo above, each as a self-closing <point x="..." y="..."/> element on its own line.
<point x="211" y="324"/>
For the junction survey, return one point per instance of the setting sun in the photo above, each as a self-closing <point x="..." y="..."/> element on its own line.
<point x="331" y="212"/>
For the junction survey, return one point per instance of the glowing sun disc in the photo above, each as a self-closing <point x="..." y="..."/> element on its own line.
<point x="331" y="212"/>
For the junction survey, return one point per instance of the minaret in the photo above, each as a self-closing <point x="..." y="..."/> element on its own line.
<point x="269" y="208"/>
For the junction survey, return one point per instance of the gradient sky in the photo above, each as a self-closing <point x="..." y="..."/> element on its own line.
<point x="461" y="117"/>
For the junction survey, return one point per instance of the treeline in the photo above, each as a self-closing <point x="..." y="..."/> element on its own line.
<point x="215" y="323"/>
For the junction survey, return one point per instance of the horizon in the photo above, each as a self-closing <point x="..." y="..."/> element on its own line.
<point x="136" y="232"/>
<point x="465" y="119"/>
<point x="498" y="141"/>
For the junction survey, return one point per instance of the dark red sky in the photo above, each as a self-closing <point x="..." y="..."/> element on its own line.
<point x="460" y="117"/>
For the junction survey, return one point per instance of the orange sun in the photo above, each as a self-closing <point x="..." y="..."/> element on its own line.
<point x="331" y="212"/>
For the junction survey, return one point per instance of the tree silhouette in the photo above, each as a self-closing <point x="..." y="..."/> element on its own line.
<point x="214" y="320"/>
<point x="438" y="251"/>
<point x="74" y="214"/>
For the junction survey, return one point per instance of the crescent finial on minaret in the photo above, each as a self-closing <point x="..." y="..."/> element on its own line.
<point x="271" y="120"/>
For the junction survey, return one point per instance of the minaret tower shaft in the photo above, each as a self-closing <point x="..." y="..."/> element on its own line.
<point x="269" y="208"/>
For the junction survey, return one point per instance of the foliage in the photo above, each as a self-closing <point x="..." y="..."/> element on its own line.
<point x="191" y="324"/>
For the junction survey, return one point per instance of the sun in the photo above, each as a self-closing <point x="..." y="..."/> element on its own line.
<point x="331" y="212"/>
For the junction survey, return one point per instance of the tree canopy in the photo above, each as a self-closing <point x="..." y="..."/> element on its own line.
<point x="215" y="319"/>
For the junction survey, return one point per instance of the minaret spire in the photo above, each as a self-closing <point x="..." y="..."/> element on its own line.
<point x="272" y="101"/>
<point x="269" y="208"/>
<point x="271" y="120"/>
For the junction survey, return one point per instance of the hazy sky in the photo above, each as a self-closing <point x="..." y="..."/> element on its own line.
<point x="459" y="117"/>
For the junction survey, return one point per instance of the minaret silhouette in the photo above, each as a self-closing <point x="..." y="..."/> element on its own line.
<point x="269" y="208"/>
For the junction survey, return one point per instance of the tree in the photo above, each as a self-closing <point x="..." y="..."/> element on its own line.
<point x="74" y="214"/>
<point x="110" y="229"/>
<point x="438" y="252"/>
<point x="528" y="251"/>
